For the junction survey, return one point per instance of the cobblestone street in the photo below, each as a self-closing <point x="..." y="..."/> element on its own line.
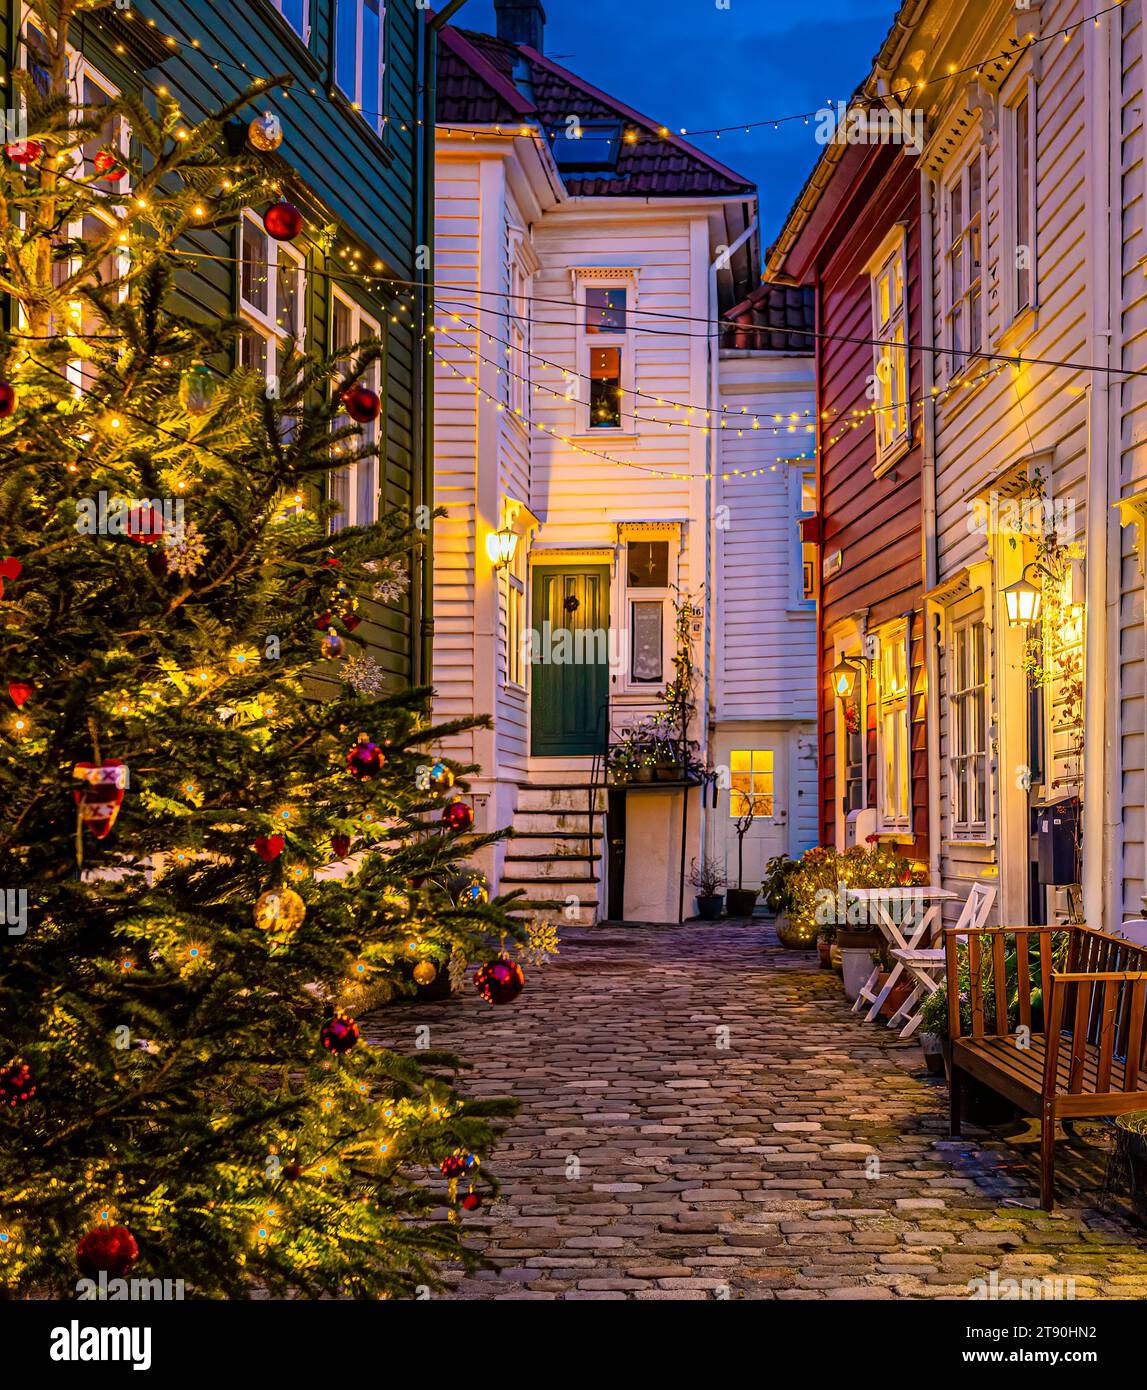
<point x="807" y="1158"/>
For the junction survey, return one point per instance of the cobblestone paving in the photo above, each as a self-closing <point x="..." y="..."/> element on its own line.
<point x="648" y="1161"/>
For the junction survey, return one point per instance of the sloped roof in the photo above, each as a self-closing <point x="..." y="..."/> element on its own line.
<point x="774" y="318"/>
<point x="484" y="80"/>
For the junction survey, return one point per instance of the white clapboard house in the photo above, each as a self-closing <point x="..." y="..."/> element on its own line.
<point x="601" y="457"/>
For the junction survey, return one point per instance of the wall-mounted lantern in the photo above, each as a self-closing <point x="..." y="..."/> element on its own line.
<point x="501" y="545"/>
<point x="843" y="676"/>
<point x="1024" y="601"/>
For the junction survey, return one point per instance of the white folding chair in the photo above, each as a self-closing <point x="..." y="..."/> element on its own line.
<point x="1135" y="931"/>
<point x="926" y="964"/>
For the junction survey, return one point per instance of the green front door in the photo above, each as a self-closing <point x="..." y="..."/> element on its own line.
<point x="570" y="660"/>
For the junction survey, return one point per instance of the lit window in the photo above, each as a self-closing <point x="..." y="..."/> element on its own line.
<point x="962" y="284"/>
<point x="604" y="310"/>
<point x="890" y="350"/>
<point x="360" y="56"/>
<point x="605" y="388"/>
<point x="802" y="502"/>
<point x="893" y="734"/>
<point x="752" y="786"/>
<point x="968" y="729"/>
<point x="355" y="486"/>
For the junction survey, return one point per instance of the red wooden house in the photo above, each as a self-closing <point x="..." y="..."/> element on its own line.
<point x="853" y="235"/>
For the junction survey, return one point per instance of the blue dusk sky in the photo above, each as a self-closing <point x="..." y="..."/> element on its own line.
<point x="689" y="63"/>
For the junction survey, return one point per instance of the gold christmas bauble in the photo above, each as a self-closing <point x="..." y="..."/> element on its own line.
<point x="265" y="132"/>
<point x="280" y="910"/>
<point x="425" y="972"/>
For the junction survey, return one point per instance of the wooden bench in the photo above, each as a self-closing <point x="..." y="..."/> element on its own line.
<point x="1078" y="1050"/>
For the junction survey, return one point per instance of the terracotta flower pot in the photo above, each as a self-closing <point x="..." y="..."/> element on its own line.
<point x="824" y="950"/>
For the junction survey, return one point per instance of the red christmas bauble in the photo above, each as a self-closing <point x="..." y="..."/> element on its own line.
<point x="365" y="759"/>
<point x="283" y="221"/>
<point x="500" y="981"/>
<point x="145" y="524"/>
<point x="108" y="1248"/>
<point x="454" y="1165"/>
<point x="24" y="152"/>
<point x="106" y="165"/>
<point x="332" y="647"/>
<point x="472" y="1201"/>
<point x="21" y="692"/>
<point x="362" y="404"/>
<point x="16" y="1083"/>
<point x="292" y="1171"/>
<point x="268" y="847"/>
<point x="458" y="815"/>
<point x="339" y="1034"/>
<point x="341" y="845"/>
<point x="7" y="399"/>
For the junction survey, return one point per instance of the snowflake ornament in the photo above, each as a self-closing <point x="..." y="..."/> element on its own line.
<point x="186" y="549"/>
<point x="541" y="942"/>
<point x="364" y="675"/>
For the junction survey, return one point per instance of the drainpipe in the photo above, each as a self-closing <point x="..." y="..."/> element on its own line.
<point x="424" y="474"/>
<point x="1100" y="517"/>
<point x="930" y="540"/>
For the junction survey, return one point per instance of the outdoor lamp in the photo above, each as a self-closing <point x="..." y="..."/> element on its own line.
<point x="1024" y="601"/>
<point x="844" y="678"/>
<point x="500" y="546"/>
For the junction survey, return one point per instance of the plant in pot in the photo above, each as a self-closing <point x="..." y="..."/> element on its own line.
<point x="708" y="878"/>
<point x="934" y="1032"/>
<point x="623" y="761"/>
<point x="825" y="939"/>
<point x="742" y="900"/>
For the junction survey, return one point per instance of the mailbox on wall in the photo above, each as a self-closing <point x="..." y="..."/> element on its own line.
<point x="1057" y="835"/>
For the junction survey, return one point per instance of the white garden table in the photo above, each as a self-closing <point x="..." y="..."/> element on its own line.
<point x="902" y="935"/>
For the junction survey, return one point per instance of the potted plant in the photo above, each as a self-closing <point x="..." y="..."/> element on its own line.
<point x="1131" y="1156"/>
<point x="825" y="937"/>
<point x="708" y="879"/>
<point x="981" y="1105"/>
<point x="777" y="887"/>
<point x="742" y="900"/>
<point x="934" y="1031"/>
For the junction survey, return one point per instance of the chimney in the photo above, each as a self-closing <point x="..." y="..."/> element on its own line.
<point x="521" y="21"/>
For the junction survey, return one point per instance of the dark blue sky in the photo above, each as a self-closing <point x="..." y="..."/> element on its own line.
<point x="688" y="63"/>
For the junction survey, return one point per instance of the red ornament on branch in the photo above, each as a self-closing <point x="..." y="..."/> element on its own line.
<point x="7" y="399"/>
<point x="145" y="524"/>
<point x="339" y="1034"/>
<point x="365" y="759"/>
<point x="500" y="981"/>
<point x="362" y="404"/>
<point x="340" y="844"/>
<point x="283" y="221"/>
<point x="16" y="1083"/>
<point x="107" y="1249"/>
<point x="24" y="152"/>
<point x="107" y="166"/>
<point x="21" y="692"/>
<point x="458" y="816"/>
<point x="10" y="568"/>
<point x="269" y="847"/>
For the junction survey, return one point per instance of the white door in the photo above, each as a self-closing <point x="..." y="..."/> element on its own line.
<point x="757" y="766"/>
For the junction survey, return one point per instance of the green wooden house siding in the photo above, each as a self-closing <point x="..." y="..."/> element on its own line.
<point x="357" y="188"/>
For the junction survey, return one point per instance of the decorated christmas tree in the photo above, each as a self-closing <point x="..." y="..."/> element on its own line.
<point x="210" y="875"/>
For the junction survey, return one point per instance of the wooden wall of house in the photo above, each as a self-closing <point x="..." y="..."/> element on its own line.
<point x="1132" y="398"/>
<point x="764" y="634"/>
<point x="341" y="173"/>
<point x="987" y="420"/>
<point x="874" y="522"/>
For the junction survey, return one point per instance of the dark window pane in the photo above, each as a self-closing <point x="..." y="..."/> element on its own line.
<point x="647" y="564"/>
<point x="254" y="269"/>
<point x="646" y="633"/>
<point x="591" y="146"/>
<point x="604" y="311"/>
<point x="295" y="11"/>
<point x="346" y="47"/>
<point x="604" y="387"/>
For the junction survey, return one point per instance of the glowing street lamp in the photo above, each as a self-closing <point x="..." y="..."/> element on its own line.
<point x="843" y="676"/>
<point x="501" y="545"/>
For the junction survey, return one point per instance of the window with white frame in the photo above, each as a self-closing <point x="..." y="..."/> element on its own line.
<point x="360" y="56"/>
<point x="802" y="504"/>
<point x="605" y="355"/>
<point x="297" y="15"/>
<point x="968" y="728"/>
<point x="752" y="777"/>
<point x="962" y="216"/>
<point x="272" y="294"/>
<point x="516" y="663"/>
<point x="354" y="486"/>
<point x="893" y="733"/>
<point x="889" y="282"/>
<point x="518" y="384"/>
<point x="648" y="588"/>
<point x="1019" y="268"/>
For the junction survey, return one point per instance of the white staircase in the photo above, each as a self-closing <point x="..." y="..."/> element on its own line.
<point x="555" y="854"/>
